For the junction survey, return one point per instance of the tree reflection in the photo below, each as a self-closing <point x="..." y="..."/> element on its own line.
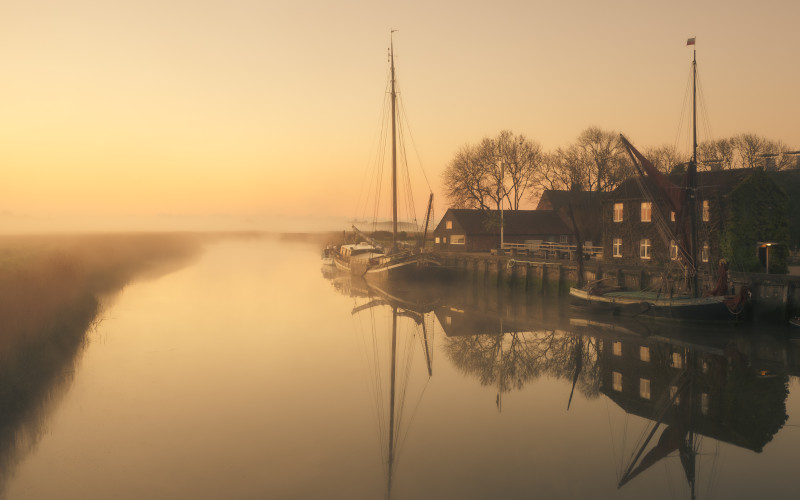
<point x="509" y="360"/>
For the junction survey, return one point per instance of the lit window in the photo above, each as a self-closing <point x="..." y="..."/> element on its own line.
<point x="644" y="353"/>
<point x="616" y="381"/>
<point x="617" y="348"/>
<point x="617" y="247"/>
<point x="677" y="360"/>
<point x="617" y="212"/>
<point x="672" y="216"/>
<point x="647" y="209"/>
<point x="706" y="211"/>
<point x="673" y="250"/>
<point x="644" y="248"/>
<point x="704" y="253"/>
<point x="457" y="239"/>
<point x="644" y="388"/>
<point x="449" y="224"/>
<point x="437" y="239"/>
<point x="448" y="320"/>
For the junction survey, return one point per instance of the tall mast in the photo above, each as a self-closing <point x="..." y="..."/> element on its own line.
<point x="394" y="149"/>
<point x="693" y="175"/>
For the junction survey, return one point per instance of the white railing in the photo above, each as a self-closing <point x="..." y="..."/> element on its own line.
<point x="552" y="250"/>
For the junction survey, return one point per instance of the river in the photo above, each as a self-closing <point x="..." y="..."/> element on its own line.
<point x="252" y="374"/>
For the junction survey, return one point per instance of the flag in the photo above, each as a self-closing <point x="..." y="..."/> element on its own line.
<point x="690" y="41"/>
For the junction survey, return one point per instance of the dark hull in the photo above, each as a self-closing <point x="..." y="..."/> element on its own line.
<point x="717" y="309"/>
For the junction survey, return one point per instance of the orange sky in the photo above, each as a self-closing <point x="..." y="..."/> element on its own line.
<point x="247" y="109"/>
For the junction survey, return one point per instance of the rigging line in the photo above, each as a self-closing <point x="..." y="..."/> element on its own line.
<point x="681" y="119"/>
<point x="413" y="415"/>
<point x="410" y="205"/>
<point x="617" y="465"/>
<point x="377" y="140"/>
<point x="414" y="144"/>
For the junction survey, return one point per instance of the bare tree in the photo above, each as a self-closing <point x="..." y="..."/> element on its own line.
<point x="665" y="158"/>
<point x="498" y="171"/>
<point x="466" y="181"/>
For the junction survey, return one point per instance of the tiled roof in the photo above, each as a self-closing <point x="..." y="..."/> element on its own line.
<point x="515" y="222"/>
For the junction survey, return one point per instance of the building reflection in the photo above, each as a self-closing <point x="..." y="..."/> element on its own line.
<point x="688" y="384"/>
<point x="691" y="388"/>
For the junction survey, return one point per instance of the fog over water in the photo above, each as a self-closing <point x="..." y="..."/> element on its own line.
<point x="252" y="372"/>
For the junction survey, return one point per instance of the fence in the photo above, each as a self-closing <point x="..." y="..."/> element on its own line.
<point x="552" y="250"/>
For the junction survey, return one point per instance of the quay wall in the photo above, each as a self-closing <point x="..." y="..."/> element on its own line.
<point x="775" y="297"/>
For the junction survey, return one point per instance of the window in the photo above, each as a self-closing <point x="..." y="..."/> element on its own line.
<point x="673" y="250"/>
<point x="457" y="239"/>
<point x="672" y="216"/>
<point x="617" y="248"/>
<point x="704" y="252"/>
<point x="644" y="248"/>
<point x="704" y="404"/>
<point x="617" y="348"/>
<point x="437" y="239"/>
<point x="563" y="239"/>
<point x="617" y="212"/>
<point x="644" y="353"/>
<point x="644" y="388"/>
<point x="706" y="211"/>
<point x="616" y="381"/>
<point x="677" y="360"/>
<point x="647" y="209"/>
<point x="444" y="239"/>
<point x="449" y="224"/>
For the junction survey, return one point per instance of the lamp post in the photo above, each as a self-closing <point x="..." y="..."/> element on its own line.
<point x="767" y="245"/>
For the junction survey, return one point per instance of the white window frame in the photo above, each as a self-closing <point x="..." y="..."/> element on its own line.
<point x="616" y="348"/>
<point x="647" y="211"/>
<point x="644" y="353"/>
<point x="645" y="246"/>
<point x="616" y="247"/>
<point x="673" y="250"/>
<point x="458" y="239"/>
<point x="618" y="212"/>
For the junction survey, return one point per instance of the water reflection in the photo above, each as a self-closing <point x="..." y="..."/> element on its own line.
<point x="684" y="391"/>
<point x="401" y="314"/>
<point x="688" y="390"/>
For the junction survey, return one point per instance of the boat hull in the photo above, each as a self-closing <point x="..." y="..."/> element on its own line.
<point x="714" y="309"/>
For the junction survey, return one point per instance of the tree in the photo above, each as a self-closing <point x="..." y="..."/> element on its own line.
<point x="757" y="212"/>
<point x="665" y="158"/>
<point x="498" y="171"/>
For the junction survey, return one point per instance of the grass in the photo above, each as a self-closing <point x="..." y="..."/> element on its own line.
<point x="51" y="293"/>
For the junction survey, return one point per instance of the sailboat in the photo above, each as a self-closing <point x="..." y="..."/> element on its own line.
<point x="368" y="258"/>
<point x="713" y="307"/>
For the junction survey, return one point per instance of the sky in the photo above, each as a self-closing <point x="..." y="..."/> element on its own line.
<point x="255" y="114"/>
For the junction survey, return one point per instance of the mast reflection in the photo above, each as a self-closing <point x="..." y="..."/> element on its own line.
<point x="404" y="313"/>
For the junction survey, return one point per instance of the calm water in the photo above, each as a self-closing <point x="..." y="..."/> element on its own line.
<point x="253" y="374"/>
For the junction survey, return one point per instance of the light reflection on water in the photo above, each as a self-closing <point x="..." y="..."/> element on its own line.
<point x="252" y="374"/>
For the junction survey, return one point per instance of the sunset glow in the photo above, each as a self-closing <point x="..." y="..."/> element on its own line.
<point x="253" y="109"/>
